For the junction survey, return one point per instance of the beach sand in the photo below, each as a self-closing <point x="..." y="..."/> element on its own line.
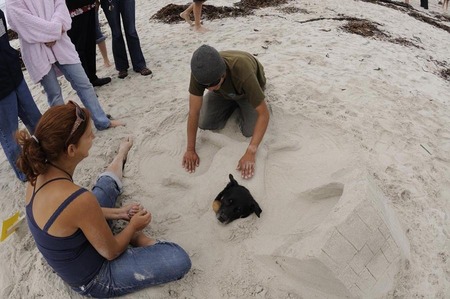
<point x="340" y="103"/>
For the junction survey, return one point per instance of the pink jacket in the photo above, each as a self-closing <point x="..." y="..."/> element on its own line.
<point x="38" y="22"/>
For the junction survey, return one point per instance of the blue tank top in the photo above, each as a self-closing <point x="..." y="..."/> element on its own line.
<point x="73" y="258"/>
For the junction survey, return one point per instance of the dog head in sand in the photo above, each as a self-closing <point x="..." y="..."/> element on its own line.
<point x="235" y="201"/>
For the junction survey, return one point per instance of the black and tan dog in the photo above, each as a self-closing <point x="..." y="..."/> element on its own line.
<point x="235" y="201"/>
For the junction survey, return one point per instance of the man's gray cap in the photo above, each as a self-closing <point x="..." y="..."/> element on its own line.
<point x="207" y="65"/>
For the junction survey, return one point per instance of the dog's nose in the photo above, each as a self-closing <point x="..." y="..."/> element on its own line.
<point x="222" y="218"/>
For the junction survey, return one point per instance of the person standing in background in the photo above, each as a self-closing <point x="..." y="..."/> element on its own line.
<point x="115" y="10"/>
<point x="15" y="100"/>
<point x="83" y="36"/>
<point x="424" y="4"/>
<point x="42" y="28"/>
<point x="100" y="37"/>
<point x="196" y="8"/>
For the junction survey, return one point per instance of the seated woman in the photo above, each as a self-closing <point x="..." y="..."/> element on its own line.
<point x="70" y="224"/>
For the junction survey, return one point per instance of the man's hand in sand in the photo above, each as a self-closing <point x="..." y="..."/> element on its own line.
<point x="190" y="161"/>
<point x="247" y="165"/>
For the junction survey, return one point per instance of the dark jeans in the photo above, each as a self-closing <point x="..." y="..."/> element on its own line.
<point x="125" y="10"/>
<point x="83" y="36"/>
<point x="424" y="3"/>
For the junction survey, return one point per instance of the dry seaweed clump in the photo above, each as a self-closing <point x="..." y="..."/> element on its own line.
<point x="171" y="13"/>
<point x="404" y="42"/>
<point x="364" y="28"/>
<point x="445" y="74"/>
<point x="292" y="9"/>
<point x="253" y="4"/>
<point x="212" y="12"/>
<point x="367" y="28"/>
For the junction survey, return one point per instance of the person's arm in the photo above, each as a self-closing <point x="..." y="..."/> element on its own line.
<point x="89" y="217"/>
<point x="190" y="158"/>
<point x="31" y="28"/>
<point x="247" y="163"/>
<point x="62" y="15"/>
<point x="123" y="213"/>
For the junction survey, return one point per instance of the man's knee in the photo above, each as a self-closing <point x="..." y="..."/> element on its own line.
<point x="210" y="125"/>
<point x="247" y="132"/>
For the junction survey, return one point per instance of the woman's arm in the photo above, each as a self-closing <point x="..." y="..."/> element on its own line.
<point x="62" y="15"/>
<point x="89" y="217"/>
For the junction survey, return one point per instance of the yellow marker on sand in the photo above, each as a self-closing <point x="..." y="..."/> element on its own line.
<point x="10" y="225"/>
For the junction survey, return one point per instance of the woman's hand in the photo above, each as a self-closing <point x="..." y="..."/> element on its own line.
<point x="129" y="210"/>
<point x="140" y="220"/>
<point x="50" y="44"/>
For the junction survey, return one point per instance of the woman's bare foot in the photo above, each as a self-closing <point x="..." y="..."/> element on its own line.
<point x="116" y="123"/>
<point x="124" y="148"/>
<point x="120" y="159"/>
<point x="186" y="16"/>
<point x="106" y="63"/>
<point x="141" y="240"/>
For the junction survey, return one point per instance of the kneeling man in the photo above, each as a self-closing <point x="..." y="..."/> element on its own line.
<point x="234" y="80"/>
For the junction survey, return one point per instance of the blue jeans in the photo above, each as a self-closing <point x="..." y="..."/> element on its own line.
<point x="216" y="110"/>
<point x="75" y="74"/>
<point x="137" y="267"/>
<point x="127" y="10"/>
<point x="19" y="103"/>
<point x="99" y="37"/>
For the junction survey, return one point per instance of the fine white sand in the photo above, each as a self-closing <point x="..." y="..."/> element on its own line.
<point x="339" y="102"/>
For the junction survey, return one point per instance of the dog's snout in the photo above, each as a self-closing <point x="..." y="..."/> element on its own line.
<point x="222" y="218"/>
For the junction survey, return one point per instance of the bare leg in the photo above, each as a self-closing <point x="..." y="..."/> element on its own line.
<point x="198" y="16"/>
<point x="102" y="47"/>
<point x="186" y="15"/>
<point x="139" y="239"/>
<point x="119" y="160"/>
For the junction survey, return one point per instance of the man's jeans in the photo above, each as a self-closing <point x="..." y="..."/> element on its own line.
<point x="216" y="110"/>
<point x="76" y="75"/>
<point x="137" y="267"/>
<point x="127" y="10"/>
<point x="18" y="103"/>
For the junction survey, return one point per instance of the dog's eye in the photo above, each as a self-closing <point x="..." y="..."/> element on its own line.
<point x="237" y="209"/>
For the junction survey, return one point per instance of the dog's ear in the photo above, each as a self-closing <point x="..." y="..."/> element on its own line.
<point x="256" y="208"/>
<point x="232" y="180"/>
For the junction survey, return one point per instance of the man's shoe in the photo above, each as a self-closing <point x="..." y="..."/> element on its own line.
<point x="145" y="72"/>
<point x="123" y="74"/>
<point x="101" y="81"/>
